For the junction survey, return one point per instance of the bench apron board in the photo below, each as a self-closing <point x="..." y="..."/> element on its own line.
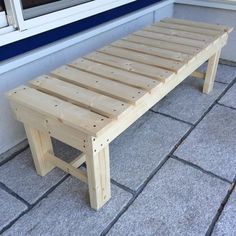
<point x="92" y="100"/>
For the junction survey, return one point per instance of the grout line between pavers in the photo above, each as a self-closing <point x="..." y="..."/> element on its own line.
<point x="31" y="206"/>
<point x="220" y="82"/>
<point x="171" y="117"/>
<point x="223" y="105"/>
<point x="11" y="156"/>
<point x="189" y="163"/>
<point x="227" y="62"/>
<point x="220" y="210"/>
<point x="127" y="189"/>
<point x="108" y="228"/>
<point x="149" y="178"/>
<point x="14" y="194"/>
<point x="136" y="194"/>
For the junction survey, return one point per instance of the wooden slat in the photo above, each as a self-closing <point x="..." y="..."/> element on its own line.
<point x="96" y="102"/>
<point x="143" y="69"/>
<point x="176" y="56"/>
<point x="143" y="58"/>
<point x="125" y="77"/>
<point x="180" y="33"/>
<point x="98" y="84"/>
<point x="67" y="113"/>
<point x="189" y="29"/>
<point x="203" y="25"/>
<point x="162" y="44"/>
<point x="172" y="39"/>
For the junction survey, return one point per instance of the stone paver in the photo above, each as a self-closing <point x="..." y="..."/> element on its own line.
<point x="229" y="99"/>
<point x="10" y="208"/>
<point x="226" y="224"/>
<point x="19" y="174"/>
<point x="66" y="211"/>
<point x="13" y="151"/>
<point x="187" y="102"/>
<point x="212" y="145"/>
<point x="179" y="200"/>
<point x="224" y="74"/>
<point x="142" y="147"/>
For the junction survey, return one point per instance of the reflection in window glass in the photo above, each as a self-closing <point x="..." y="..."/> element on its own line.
<point x="62" y="3"/>
<point x="34" y="8"/>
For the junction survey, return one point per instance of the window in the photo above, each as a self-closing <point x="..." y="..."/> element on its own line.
<point x="20" y="19"/>
<point x="24" y="14"/>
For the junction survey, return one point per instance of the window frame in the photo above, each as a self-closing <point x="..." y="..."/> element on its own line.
<point x="58" y="18"/>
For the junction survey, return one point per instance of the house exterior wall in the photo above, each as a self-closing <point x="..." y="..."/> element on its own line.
<point x="211" y="15"/>
<point x="63" y="51"/>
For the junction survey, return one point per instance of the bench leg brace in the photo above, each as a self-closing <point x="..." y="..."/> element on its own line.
<point x="40" y="144"/>
<point x="211" y="72"/>
<point x="98" y="171"/>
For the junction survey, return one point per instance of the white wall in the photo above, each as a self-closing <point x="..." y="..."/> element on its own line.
<point x="11" y="131"/>
<point x="211" y="15"/>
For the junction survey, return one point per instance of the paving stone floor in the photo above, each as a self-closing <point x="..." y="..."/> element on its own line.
<point x="173" y="173"/>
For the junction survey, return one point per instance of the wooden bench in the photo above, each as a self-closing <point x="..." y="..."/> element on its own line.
<point x="92" y="100"/>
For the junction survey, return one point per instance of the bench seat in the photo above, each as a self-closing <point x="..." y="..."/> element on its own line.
<point x="90" y="101"/>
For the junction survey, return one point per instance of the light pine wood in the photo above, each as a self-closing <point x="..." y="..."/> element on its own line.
<point x="98" y="169"/>
<point x="168" y="54"/>
<point x="40" y="145"/>
<point x="189" y="28"/>
<point x="163" y="44"/>
<point x="211" y="72"/>
<point x="199" y="75"/>
<point x="172" y="39"/>
<point x="180" y="33"/>
<point x="91" y="101"/>
<point x="152" y="99"/>
<point x="203" y="25"/>
<point x="78" y="161"/>
<point x="119" y="75"/>
<point x="144" y="58"/>
<point x="73" y="137"/>
<point x="67" y="113"/>
<point x="99" y="84"/>
<point x="67" y="167"/>
<point x="128" y="65"/>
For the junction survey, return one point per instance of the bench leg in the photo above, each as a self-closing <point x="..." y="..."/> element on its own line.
<point x="211" y="73"/>
<point x="40" y="144"/>
<point x="98" y="170"/>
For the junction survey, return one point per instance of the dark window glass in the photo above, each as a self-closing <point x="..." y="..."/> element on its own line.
<point x="2" y="6"/>
<point x="34" y="3"/>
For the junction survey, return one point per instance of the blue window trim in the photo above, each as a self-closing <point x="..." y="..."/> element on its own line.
<point x="25" y="45"/>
